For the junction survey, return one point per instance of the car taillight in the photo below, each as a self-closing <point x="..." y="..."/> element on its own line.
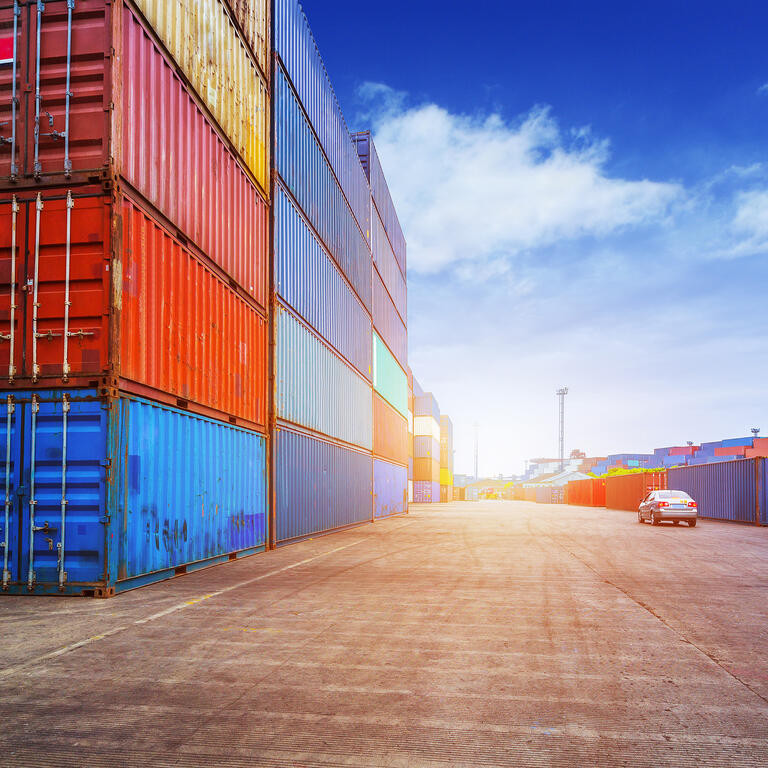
<point x="691" y="503"/>
<point x="663" y="503"/>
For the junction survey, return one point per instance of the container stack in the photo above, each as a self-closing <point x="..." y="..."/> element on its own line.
<point x="340" y="450"/>
<point x="134" y="179"/>
<point x="426" y="447"/>
<point x="390" y="339"/>
<point x="446" y="459"/>
<point x="410" y="436"/>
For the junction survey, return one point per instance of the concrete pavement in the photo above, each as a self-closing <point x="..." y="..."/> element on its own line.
<point x="467" y="634"/>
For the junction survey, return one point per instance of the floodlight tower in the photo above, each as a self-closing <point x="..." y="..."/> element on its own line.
<point x="755" y="432"/>
<point x="561" y="393"/>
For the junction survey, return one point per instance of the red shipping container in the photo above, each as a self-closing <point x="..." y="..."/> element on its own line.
<point x="627" y="491"/>
<point x="390" y="432"/>
<point x="685" y="450"/>
<point x="133" y="118"/>
<point x="733" y="450"/>
<point x="126" y="305"/>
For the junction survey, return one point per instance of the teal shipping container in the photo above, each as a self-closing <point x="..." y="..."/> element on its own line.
<point x="106" y="492"/>
<point x="389" y="379"/>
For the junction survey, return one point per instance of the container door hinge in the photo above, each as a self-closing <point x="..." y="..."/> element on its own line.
<point x="105" y="520"/>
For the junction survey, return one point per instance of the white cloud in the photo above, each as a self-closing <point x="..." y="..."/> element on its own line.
<point x="763" y="88"/>
<point x="751" y="223"/>
<point x="479" y="191"/>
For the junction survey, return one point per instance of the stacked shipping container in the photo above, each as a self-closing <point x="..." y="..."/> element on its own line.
<point x="146" y="306"/>
<point x="134" y="289"/>
<point x="426" y="447"/>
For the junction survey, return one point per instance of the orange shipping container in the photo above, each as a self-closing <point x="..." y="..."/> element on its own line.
<point x="426" y="470"/>
<point x="390" y="432"/>
<point x="94" y="291"/>
<point x="627" y="491"/>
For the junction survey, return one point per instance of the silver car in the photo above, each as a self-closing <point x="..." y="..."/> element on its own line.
<point x="668" y="506"/>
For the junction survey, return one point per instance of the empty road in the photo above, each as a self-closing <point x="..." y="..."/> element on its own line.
<point x="467" y="634"/>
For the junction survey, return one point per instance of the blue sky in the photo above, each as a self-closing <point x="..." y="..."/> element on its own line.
<point x="584" y="190"/>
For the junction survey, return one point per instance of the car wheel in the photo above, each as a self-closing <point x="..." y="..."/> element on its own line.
<point x="691" y="523"/>
<point x="675" y="522"/>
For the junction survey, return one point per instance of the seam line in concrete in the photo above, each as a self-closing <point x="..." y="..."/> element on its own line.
<point x="8" y="671"/>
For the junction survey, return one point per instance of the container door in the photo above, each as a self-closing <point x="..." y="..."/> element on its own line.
<point x="53" y="77"/>
<point x="62" y="502"/>
<point x="12" y="491"/>
<point x="54" y="287"/>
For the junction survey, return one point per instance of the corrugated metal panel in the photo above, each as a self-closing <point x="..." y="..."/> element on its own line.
<point x="410" y="491"/>
<point x="307" y="279"/>
<point x="316" y="389"/>
<point x="319" y="486"/>
<point x="173" y="155"/>
<point x="252" y="17"/>
<point x="306" y="173"/>
<point x="298" y="53"/>
<point x="181" y="490"/>
<point x="185" y="331"/>
<point x="426" y="447"/>
<point x="426" y="426"/>
<point x="209" y="50"/>
<point x="737" y="441"/>
<point x="389" y="380"/>
<point x="426" y="470"/>
<point x="381" y="196"/>
<point x="387" y="322"/>
<point x="724" y="491"/>
<point x="390" y="432"/>
<point x="446" y="493"/>
<point x="385" y="262"/>
<point x="426" y="492"/>
<point x="627" y="491"/>
<point x="390" y="489"/>
<point x="446" y="476"/>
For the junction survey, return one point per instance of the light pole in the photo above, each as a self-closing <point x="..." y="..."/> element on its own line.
<point x="561" y="393"/>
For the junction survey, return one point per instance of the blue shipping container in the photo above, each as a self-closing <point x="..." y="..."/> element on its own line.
<point x="307" y="279"/>
<point x="316" y="389"/>
<point x="386" y="264"/>
<point x="299" y="55"/>
<point x="736" y="442"/>
<point x="388" y="323"/>
<point x="110" y="493"/>
<point x="426" y="447"/>
<point x="390" y="489"/>
<point x="319" y="486"/>
<point x="726" y="490"/>
<point x="304" y="168"/>
<point x="425" y="492"/>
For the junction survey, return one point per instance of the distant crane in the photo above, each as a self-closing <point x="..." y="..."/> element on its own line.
<point x="561" y="393"/>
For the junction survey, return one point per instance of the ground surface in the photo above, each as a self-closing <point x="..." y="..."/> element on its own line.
<point x="485" y="634"/>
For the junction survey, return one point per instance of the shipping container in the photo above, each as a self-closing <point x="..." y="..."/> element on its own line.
<point x="426" y="470"/>
<point x="132" y="116"/>
<point x="426" y="447"/>
<point x="446" y="476"/>
<point x="222" y="71"/>
<point x="684" y="450"/>
<point x="300" y="58"/>
<point x="316" y="389"/>
<point x="386" y="265"/>
<point x="587" y="493"/>
<point x="115" y="299"/>
<point x="446" y="494"/>
<point x="729" y="490"/>
<point x="410" y="490"/>
<point x="732" y="450"/>
<point x="459" y="494"/>
<point x="308" y="281"/>
<point x="471" y="494"/>
<point x="425" y="404"/>
<point x="425" y="492"/>
<point x="108" y="493"/>
<point x="381" y="196"/>
<point x="529" y="493"/>
<point x="300" y="162"/>
<point x="390" y="432"/>
<point x="548" y="494"/>
<point x="388" y="323"/>
<point x="319" y="486"/>
<point x="426" y="426"/>
<point x="389" y="379"/>
<point x="627" y="491"/>
<point x="390" y="489"/>
<point x="737" y="441"/>
<point x="252" y="17"/>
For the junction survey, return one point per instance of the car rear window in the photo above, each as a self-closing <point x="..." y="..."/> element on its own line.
<point x="673" y="495"/>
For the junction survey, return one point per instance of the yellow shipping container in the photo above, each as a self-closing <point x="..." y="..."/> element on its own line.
<point x="446" y="476"/>
<point x="200" y="35"/>
<point x="253" y="18"/>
